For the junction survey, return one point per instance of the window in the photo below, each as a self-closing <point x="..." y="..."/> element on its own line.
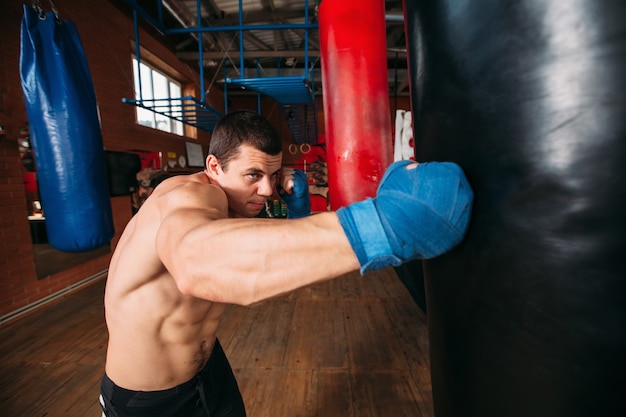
<point x="155" y="85"/>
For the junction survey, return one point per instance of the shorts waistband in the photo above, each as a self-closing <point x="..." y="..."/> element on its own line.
<point x="109" y="385"/>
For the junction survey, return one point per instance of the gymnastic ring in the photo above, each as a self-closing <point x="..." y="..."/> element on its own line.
<point x="308" y="149"/>
<point x="293" y="149"/>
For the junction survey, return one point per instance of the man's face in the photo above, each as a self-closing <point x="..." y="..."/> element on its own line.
<point x="249" y="181"/>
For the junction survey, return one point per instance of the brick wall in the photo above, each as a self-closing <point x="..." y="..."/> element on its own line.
<point x="106" y="34"/>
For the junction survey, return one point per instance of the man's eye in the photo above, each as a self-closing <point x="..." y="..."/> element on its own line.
<point x="253" y="175"/>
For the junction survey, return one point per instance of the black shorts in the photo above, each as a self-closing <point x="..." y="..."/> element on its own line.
<point x="213" y="392"/>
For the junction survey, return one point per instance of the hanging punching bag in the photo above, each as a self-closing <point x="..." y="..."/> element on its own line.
<point x="356" y="98"/>
<point x="527" y="317"/>
<point x="65" y="133"/>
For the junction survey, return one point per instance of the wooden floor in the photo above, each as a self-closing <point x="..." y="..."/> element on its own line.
<point x="352" y="347"/>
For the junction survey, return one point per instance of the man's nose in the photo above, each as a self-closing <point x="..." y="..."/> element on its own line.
<point x="266" y="187"/>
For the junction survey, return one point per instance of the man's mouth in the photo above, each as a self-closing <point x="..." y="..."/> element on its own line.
<point x="258" y="205"/>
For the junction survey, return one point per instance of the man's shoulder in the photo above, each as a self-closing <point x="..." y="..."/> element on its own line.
<point x="194" y="183"/>
<point x="189" y="192"/>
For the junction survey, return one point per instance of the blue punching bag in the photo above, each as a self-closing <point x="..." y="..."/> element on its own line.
<point x="65" y="133"/>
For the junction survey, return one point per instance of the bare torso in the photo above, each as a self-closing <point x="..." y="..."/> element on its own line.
<point x="158" y="337"/>
<point x="193" y="240"/>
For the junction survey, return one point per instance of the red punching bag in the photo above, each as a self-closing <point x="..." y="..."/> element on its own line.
<point x="356" y="97"/>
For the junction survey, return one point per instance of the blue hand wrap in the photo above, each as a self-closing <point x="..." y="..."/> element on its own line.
<point x="298" y="202"/>
<point x="418" y="213"/>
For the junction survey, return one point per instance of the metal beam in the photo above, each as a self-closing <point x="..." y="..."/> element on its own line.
<point x="258" y="16"/>
<point x="187" y="19"/>
<point x="295" y="53"/>
<point x="193" y="56"/>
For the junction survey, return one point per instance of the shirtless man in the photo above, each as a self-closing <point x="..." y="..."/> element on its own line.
<point x="201" y="248"/>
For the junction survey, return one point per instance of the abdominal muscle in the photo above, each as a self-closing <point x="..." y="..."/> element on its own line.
<point x="158" y="337"/>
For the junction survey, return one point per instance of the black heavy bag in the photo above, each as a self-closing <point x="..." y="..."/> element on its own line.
<point x="65" y="133"/>
<point x="528" y="316"/>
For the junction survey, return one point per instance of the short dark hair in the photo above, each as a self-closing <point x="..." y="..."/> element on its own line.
<point x="243" y="127"/>
<point x="159" y="178"/>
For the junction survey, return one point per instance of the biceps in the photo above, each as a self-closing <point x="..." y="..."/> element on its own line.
<point x="175" y="237"/>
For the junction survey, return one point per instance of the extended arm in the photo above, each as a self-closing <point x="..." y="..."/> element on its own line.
<point x="242" y="261"/>
<point x="420" y="212"/>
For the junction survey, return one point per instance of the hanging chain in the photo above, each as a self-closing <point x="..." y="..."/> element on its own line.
<point x="39" y="9"/>
<point x="55" y="10"/>
<point x="42" y="14"/>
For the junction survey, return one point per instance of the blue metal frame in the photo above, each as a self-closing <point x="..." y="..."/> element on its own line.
<point x="188" y="110"/>
<point x="293" y="93"/>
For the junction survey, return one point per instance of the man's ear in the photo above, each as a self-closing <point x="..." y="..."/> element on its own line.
<point x="213" y="166"/>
